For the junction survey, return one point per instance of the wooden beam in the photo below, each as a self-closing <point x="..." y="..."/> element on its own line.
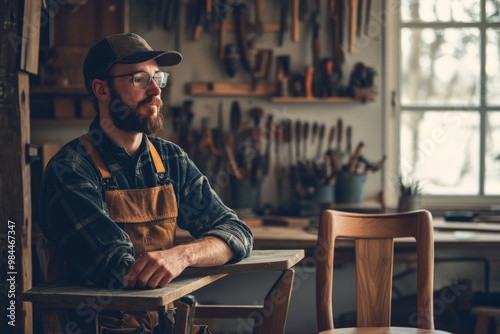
<point x="15" y="196"/>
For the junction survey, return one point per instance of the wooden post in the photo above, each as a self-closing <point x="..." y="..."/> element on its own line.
<point x="15" y="196"/>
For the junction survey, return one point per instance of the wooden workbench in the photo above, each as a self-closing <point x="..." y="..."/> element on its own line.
<point x="285" y="233"/>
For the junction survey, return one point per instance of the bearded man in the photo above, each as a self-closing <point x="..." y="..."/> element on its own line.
<point x="113" y="198"/>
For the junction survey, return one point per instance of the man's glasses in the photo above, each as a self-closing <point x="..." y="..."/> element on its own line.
<point x="142" y="80"/>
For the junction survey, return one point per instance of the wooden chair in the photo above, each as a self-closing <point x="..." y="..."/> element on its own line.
<point x="374" y="246"/>
<point x="484" y="317"/>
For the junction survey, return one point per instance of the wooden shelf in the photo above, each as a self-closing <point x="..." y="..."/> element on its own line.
<point x="61" y="121"/>
<point x="304" y="99"/>
<point x="58" y="90"/>
<point x="262" y="89"/>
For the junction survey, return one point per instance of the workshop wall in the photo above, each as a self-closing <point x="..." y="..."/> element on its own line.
<point x="200" y="63"/>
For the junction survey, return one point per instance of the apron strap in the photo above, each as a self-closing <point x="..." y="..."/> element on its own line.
<point x="105" y="174"/>
<point x="96" y="157"/>
<point x="160" y="169"/>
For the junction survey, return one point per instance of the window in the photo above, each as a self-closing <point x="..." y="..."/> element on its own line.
<point x="448" y="96"/>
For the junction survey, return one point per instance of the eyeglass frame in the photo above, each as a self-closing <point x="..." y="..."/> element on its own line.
<point x="151" y="77"/>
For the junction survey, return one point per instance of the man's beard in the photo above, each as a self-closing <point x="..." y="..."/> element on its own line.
<point x="127" y="118"/>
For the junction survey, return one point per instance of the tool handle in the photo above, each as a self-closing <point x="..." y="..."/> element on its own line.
<point x="197" y="32"/>
<point x="352" y="23"/>
<point x="298" y="131"/>
<point x="331" y="136"/>
<point x="316" y="51"/>
<point x="222" y="39"/>
<point x="309" y="81"/>
<point x="355" y="156"/>
<point x="295" y="20"/>
<point x="259" y="10"/>
<point x="367" y="15"/>
<point x="340" y="130"/>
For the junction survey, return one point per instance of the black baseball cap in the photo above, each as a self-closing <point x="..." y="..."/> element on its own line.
<point x="126" y="48"/>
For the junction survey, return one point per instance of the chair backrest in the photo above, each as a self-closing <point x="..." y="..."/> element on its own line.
<point x="374" y="250"/>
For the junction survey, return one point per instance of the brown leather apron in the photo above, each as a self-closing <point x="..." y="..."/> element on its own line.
<point x="148" y="216"/>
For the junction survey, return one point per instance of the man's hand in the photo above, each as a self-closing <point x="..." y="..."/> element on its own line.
<point x="154" y="269"/>
<point x="157" y="269"/>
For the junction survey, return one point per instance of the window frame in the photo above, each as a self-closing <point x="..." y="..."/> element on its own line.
<point x="392" y="112"/>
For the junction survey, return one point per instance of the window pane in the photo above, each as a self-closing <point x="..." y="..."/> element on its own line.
<point x="441" y="149"/>
<point x="492" y="152"/>
<point x="493" y="10"/>
<point x="440" y="11"/>
<point x="493" y="67"/>
<point x="440" y="66"/>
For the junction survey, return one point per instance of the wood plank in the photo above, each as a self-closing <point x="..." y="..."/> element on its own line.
<point x="15" y="194"/>
<point x="382" y="330"/>
<point x="260" y="260"/>
<point x="74" y="295"/>
<point x="230" y="89"/>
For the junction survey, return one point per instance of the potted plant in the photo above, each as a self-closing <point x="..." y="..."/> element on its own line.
<point x="410" y="194"/>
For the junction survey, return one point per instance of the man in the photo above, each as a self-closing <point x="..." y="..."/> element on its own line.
<point x="111" y="199"/>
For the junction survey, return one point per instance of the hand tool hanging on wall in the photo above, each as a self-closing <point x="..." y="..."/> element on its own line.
<point x="259" y="15"/>
<point x="353" y="11"/>
<point x="262" y="65"/>
<point x="287" y="138"/>
<point x="219" y="141"/>
<point x="253" y="156"/>
<point x="321" y="137"/>
<point x="355" y="156"/>
<point x="177" y="23"/>
<point x="316" y="24"/>
<point x="279" y="169"/>
<point x="340" y="9"/>
<point x="314" y="132"/>
<point x="232" y="144"/>
<point x="334" y="14"/>
<point x="303" y="9"/>
<point x="270" y="130"/>
<point x="308" y="81"/>
<point x="222" y="27"/>
<point x="295" y="20"/>
<point x="231" y="59"/>
<point x="340" y="130"/>
<point x="240" y="21"/>
<point x="298" y="136"/>
<point x="348" y="140"/>
<point x="284" y="12"/>
<point x="208" y="14"/>
<point x="305" y="136"/>
<point x="367" y="15"/>
<point x="282" y="74"/>
<point x="152" y="13"/>
<point x="169" y="15"/>
<point x="199" y="19"/>
<point x="359" y="19"/>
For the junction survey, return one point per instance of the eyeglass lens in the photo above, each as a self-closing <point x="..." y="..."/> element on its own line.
<point x="142" y="79"/>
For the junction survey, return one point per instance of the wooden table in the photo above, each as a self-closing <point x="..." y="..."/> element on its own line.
<point x="301" y="235"/>
<point x="65" y="295"/>
<point x="382" y="330"/>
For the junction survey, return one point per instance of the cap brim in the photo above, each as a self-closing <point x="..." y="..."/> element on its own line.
<point x="163" y="58"/>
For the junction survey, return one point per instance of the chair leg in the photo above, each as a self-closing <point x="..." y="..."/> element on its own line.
<point x="184" y="317"/>
<point x="482" y="324"/>
<point x="275" y="309"/>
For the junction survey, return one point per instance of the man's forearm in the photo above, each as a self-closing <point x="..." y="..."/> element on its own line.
<point x="157" y="269"/>
<point x="206" y="252"/>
